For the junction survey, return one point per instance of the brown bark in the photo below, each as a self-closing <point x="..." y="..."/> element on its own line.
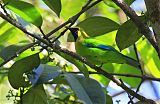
<point x="153" y="11"/>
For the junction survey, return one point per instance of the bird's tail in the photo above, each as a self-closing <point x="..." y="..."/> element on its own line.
<point x="132" y="62"/>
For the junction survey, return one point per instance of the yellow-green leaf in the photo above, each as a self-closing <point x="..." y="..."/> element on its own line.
<point x="26" y="11"/>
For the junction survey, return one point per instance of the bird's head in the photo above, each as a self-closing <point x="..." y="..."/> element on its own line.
<point x="77" y="33"/>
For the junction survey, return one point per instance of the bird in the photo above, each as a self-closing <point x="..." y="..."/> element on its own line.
<point x="97" y="52"/>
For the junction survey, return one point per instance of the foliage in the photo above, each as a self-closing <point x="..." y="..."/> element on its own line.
<point x="35" y="62"/>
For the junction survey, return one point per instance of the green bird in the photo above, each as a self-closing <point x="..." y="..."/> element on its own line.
<point x="97" y="52"/>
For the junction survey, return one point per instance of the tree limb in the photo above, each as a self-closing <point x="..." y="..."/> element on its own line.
<point x="153" y="10"/>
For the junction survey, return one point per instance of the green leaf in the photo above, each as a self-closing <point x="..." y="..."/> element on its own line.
<point x="86" y="89"/>
<point x="110" y="3"/>
<point x="149" y="57"/>
<point x="97" y="25"/>
<point x="126" y="69"/>
<point x="129" y="2"/>
<point x="127" y="35"/>
<point x="71" y="7"/>
<point x="35" y="95"/>
<point x="11" y="50"/>
<point x="26" y="11"/>
<point x="109" y="99"/>
<point x="10" y="34"/>
<point x="44" y="73"/>
<point x="70" y="38"/>
<point x="55" y="5"/>
<point x="21" y="67"/>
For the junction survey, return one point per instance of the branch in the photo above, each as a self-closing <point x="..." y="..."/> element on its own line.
<point x="145" y="77"/>
<point x="18" y="52"/>
<point x="144" y="29"/>
<point x="153" y="10"/>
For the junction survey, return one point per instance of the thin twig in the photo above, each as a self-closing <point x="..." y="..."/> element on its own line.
<point x="138" y="58"/>
<point x="17" y="53"/>
<point x="145" y="77"/>
<point x="45" y="37"/>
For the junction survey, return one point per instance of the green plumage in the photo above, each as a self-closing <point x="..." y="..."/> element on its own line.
<point x="97" y="52"/>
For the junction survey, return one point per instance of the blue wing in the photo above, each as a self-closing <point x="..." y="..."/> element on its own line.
<point x="101" y="46"/>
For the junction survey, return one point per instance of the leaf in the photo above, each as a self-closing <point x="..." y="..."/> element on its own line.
<point x="55" y="5"/>
<point x="11" y="50"/>
<point x="86" y="89"/>
<point x="109" y="99"/>
<point x="149" y="58"/>
<point x="110" y="3"/>
<point x="44" y="73"/>
<point x="129" y="2"/>
<point x="21" y="67"/>
<point x="7" y="35"/>
<point x="35" y="95"/>
<point x="76" y="6"/>
<point x="127" y="35"/>
<point x="26" y="11"/>
<point x="97" y="25"/>
<point x="70" y="38"/>
<point x="10" y="35"/>
<point x="126" y="69"/>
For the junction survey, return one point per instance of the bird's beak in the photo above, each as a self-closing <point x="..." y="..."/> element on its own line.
<point x="74" y="32"/>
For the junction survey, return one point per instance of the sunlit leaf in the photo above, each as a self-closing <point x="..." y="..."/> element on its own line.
<point x="21" y="67"/>
<point x="76" y="6"/>
<point x="97" y="25"/>
<point x="55" y="5"/>
<point x="26" y="11"/>
<point x="86" y="89"/>
<point x="127" y="35"/>
<point x="126" y="69"/>
<point x="110" y="3"/>
<point x="10" y="35"/>
<point x="149" y="58"/>
<point x="35" y="95"/>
